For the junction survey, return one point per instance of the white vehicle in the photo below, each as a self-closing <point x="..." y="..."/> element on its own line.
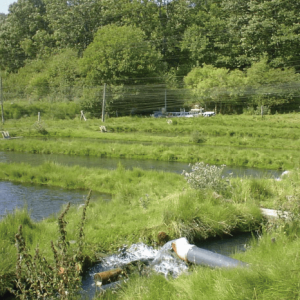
<point x="208" y="114"/>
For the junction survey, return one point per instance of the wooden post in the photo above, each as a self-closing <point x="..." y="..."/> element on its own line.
<point x="39" y="117"/>
<point x="262" y="110"/>
<point x="1" y="100"/>
<point x="103" y="104"/>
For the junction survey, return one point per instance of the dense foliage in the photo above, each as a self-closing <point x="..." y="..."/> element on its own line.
<point x="65" y="50"/>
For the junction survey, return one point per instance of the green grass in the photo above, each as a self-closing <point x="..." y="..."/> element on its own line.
<point x="172" y="207"/>
<point x="272" y="142"/>
<point x="120" y="181"/>
<point x="174" y="210"/>
<point x="233" y="156"/>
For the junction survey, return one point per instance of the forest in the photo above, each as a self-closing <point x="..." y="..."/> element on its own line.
<point x="233" y="56"/>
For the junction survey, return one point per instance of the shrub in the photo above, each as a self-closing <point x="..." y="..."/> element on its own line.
<point x="205" y="176"/>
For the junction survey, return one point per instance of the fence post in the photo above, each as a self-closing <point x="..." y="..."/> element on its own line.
<point x="39" y="117"/>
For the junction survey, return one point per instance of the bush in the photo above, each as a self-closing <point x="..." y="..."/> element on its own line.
<point x="205" y="176"/>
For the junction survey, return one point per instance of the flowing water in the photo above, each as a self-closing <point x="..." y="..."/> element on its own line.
<point x="162" y="260"/>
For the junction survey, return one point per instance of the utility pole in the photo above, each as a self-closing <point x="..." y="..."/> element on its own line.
<point x="103" y="104"/>
<point x="166" y="100"/>
<point x="1" y="100"/>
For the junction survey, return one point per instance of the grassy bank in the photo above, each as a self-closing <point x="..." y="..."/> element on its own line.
<point x="232" y="156"/>
<point x="144" y="204"/>
<point x="132" y="184"/>
<point x="272" y="142"/>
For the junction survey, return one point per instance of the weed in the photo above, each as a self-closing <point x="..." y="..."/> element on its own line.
<point x="37" y="278"/>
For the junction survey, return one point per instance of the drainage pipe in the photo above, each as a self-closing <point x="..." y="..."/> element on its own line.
<point x="199" y="256"/>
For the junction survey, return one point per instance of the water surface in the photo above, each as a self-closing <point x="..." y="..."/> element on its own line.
<point x="112" y="163"/>
<point x="41" y="201"/>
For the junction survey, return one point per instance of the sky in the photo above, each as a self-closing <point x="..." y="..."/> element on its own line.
<point x="4" y="4"/>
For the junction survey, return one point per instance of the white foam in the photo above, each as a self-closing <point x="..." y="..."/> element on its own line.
<point x="162" y="260"/>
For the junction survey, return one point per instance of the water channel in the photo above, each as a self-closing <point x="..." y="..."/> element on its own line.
<point x="112" y="163"/>
<point x="43" y="201"/>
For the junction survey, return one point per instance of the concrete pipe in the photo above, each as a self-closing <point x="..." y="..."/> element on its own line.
<point x="199" y="256"/>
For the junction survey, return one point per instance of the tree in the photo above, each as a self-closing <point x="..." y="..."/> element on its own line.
<point x="271" y="86"/>
<point x="74" y="22"/>
<point x="207" y="40"/>
<point x="118" y="56"/>
<point x="216" y="85"/>
<point x="119" y="53"/>
<point x="63" y="74"/>
<point x="268" y="27"/>
<point x="25" y="20"/>
<point x="259" y="85"/>
<point x="2" y="17"/>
